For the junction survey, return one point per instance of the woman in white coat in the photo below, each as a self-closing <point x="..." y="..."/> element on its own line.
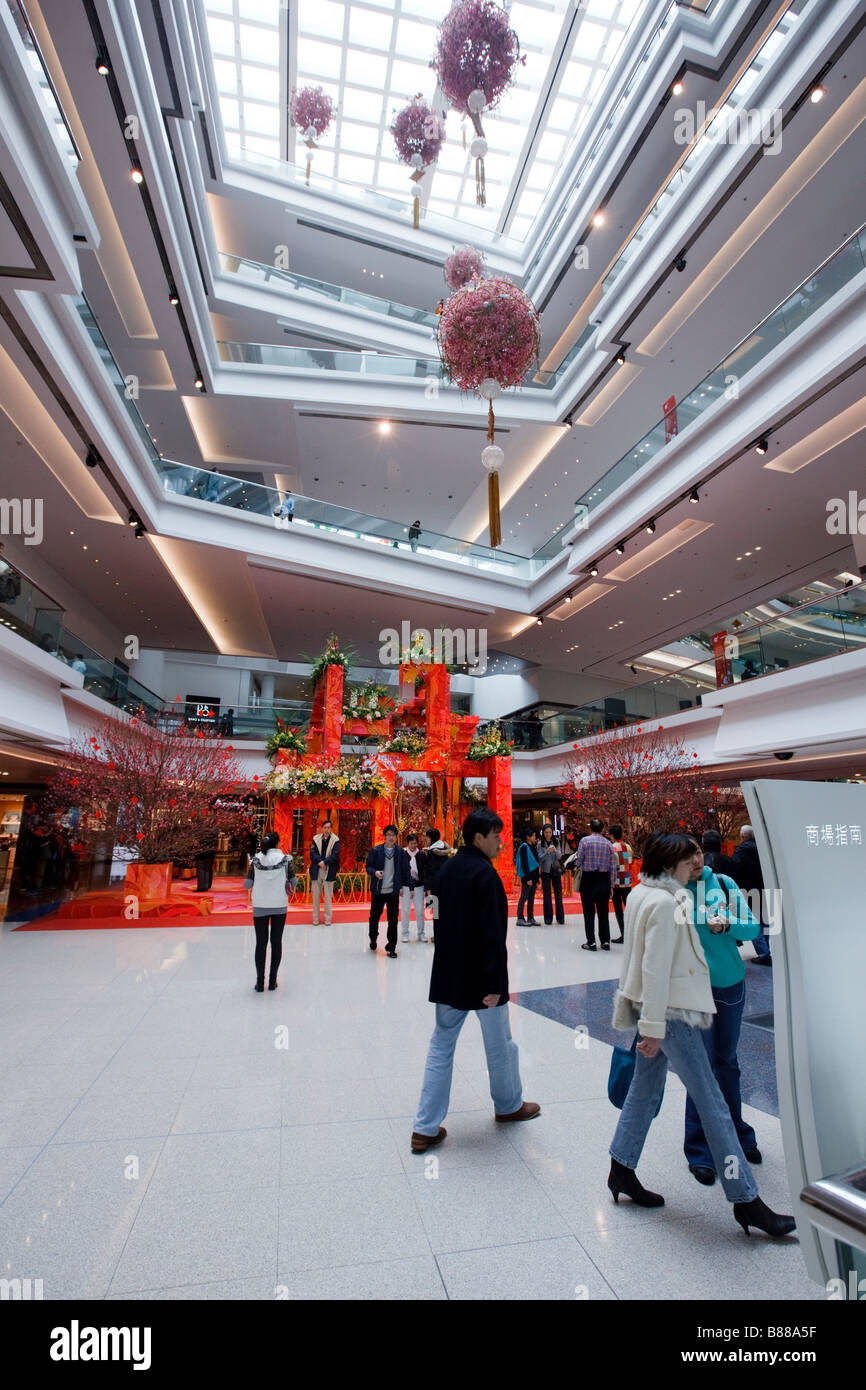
<point x="270" y="879"/>
<point x="665" y="992"/>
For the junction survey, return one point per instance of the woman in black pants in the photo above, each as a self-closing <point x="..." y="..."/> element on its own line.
<point x="270" y="879"/>
<point x="551" y="876"/>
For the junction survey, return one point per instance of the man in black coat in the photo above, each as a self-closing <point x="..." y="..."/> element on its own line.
<point x="387" y="874"/>
<point x="711" y="844"/>
<point x="470" y="972"/>
<point x="748" y="875"/>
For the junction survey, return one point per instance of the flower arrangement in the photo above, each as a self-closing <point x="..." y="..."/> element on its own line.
<point x="462" y="267"/>
<point x="333" y="655"/>
<point x="488" y="336"/>
<point x="312" y="111"/>
<point x="409" y="741"/>
<point x="418" y="134"/>
<point x="345" y="776"/>
<point x="284" y="737"/>
<point x="488" y="331"/>
<point x="491" y="744"/>
<point x="476" y="54"/>
<point x="473" y="796"/>
<point x="368" y="702"/>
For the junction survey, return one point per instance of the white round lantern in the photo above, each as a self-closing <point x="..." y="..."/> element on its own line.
<point x="478" y="148"/>
<point x="492" y="457"/>
<point x="476" y="101"/>
<point x="311" y="133"/>
<point x="489" y="389"/>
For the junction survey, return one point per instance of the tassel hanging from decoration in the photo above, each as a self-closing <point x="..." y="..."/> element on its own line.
<point x="476" y="102"/>
<point x="492" y="458"/>
<point x="310" y="141"/>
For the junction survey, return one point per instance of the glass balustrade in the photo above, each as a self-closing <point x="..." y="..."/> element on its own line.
<point x="312" y="515"/>
<point x="51" y="102"/>
<point x="827" y="627"/>
<point x="374" y="201"/>
<point x="27" y="610"/>
<point x="254" y="273"/>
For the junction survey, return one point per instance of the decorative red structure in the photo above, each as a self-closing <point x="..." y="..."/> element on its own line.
<point x="448" y="737"/>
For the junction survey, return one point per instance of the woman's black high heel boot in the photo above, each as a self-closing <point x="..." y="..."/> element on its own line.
<point x="260" y="985"/>
<point x="272" y="982"/>
<point x="622" y="1179"/>
<point x="759" y="1215"/>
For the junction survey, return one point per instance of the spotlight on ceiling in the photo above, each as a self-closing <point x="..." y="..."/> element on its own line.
<point x="539" y="621"/>
<point x="139" y="530"/>
<point x="620" y="549"/>
<point x="92" y="458"/>
<point x="620" y="357"/>
<point x="680" y="262"/>
<point x="173" y="296"/>
<point x="384" y="426"/>
<point x="694" y="495"/>
<point x="593" y="569"/>
<point x="102" y="65"/>
<point x="633" y="670"/>
<point x="816" y="93"/>
<point x="598" y="220"/>
<point x="762" y="446"/>
<point x="677" y="88"/>
<point x="650" y="527"/>
<point x="568" y="598"/>
<point x="132" y="519"/>
<point x="199" y="384"/>
<point x="136" y="175"/>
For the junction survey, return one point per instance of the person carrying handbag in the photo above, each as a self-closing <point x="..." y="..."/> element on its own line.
<point x="270" y="879"/>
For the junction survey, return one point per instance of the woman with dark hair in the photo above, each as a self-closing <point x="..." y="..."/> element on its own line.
<point x="664" y="990"/>
<point x="551" y="876"/>
<point x="270" y="879"/>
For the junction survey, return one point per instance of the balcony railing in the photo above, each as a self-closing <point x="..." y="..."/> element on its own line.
<point x="809" y="632"/>
<point x="254" y="273"/>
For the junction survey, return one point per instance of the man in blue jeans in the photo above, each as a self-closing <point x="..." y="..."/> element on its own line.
<point x="470" y="973"/>
<point x="722" y="917"/>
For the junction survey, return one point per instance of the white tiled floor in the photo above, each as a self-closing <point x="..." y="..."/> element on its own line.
<point x="159" y="1139"/>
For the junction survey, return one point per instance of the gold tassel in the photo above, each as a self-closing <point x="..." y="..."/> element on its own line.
<point x="480" y="192"/>
<point x="491" y="424"/>
<point x="309" y="167"/>
<point x="463" y="133"/>
<point x="493" y="509"/>
<point x="416" y="211"/>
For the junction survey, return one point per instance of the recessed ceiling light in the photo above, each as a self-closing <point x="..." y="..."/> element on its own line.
<point x="136" y="175"/>
<point x="384" y="426"/>
<point x="816" y="93"/>
<point x="677" y="88"/>
<point x="598" y="220"/>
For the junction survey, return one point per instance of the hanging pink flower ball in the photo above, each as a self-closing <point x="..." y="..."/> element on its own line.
<point x="489" y="329"/>
<point x="312" y="108"/>
<point x="476" y="52"/>
<point x="418" y="134"/>
<point x="464" y="265"/>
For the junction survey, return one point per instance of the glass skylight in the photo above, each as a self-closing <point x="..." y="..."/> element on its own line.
<point x="372" y="56"/>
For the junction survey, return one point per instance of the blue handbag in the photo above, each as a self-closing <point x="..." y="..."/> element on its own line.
<point x="622" y="1065"/>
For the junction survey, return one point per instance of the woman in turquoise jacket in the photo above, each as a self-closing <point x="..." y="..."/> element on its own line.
<point x="718" y="905"/>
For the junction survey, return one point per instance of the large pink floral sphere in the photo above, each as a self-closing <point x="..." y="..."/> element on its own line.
<point x="312" y="109"/>
<point x="476" y="51"/>
<point x="418" y="134"/>
<point x="464" y="265"/>
<point x="488" y="330"/>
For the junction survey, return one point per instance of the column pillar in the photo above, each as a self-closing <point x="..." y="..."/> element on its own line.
<point x="267" y="684"/>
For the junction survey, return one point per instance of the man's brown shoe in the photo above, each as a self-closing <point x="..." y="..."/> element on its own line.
<point x="528" y="1111"/>
<point x="422" y="1142"/>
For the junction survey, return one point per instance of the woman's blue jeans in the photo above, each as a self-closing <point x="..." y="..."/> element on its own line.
<point x="502" y="1065"/>
<point x="721" y="1042"/>
<point x="683" y="1048"/>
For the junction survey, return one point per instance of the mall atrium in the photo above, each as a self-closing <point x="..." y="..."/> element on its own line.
<point x="380" y="447"/>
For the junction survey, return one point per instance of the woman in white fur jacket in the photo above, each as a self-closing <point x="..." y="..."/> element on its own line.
<point x="269" y="881"/>
<point x="664" y="991"/>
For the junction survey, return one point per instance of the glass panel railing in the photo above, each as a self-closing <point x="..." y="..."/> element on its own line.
<point x="127" y="388"/>
<point x="726" y="127"/>
<point x="836" y="272"/>
<point x="254" y="273"/>
<point x="373" y="200"/>
<point x="309" y="514"/>
<point x="810" y="632"/>
<point x="51" y="102"/>
<point x="27" y="610"/>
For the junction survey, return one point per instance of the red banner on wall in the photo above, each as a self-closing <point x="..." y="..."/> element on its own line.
<point x="724" y="668"/>
<point x="670" y="411"/>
